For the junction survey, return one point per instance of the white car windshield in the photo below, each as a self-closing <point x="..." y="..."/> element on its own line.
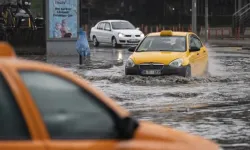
<point x="166" y="43"/>
<point x="122" y="25"/>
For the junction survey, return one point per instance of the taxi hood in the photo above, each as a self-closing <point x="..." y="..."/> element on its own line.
<point x="172" y="139"/>
<point x="163" y="57"/>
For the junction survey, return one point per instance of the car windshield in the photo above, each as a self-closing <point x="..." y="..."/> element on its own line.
<point x="122" y="25"/>
<point x="166" y="43"/>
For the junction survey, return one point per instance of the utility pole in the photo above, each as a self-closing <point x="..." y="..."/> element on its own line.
<point x="239" y="4"/>
<point x="206" y="20"/>
<point x="194" y="16"/>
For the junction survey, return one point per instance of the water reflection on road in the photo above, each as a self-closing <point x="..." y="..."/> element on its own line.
<point x="216" y="107"/>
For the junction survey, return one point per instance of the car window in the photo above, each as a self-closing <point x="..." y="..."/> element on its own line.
<point x="12" y="123"/>
<point x="191" y="42"/>
<point x="100" y="26"/>
<point x="107" y="27"/>
<point x="195" y="42"/>
<point x="122" y="25"/>
<point x="163" y="43"/>
<point x="69" y="111"/>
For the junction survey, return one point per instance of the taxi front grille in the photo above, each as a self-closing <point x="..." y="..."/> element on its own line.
<point x="151" y="66"/>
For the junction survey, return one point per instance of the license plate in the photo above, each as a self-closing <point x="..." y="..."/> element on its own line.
<point x="151" y="72"/>
<point x="133" y="40"/>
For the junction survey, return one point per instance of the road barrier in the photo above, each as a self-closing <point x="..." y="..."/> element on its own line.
<point x="219" y="32"/>
<point x="247" y="32"/>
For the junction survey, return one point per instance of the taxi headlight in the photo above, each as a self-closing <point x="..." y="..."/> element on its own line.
<point x="142" y="35"/>
<point x="176" y="63"/>
<point x="121" y="35"/>
<point x="130" y="63"/>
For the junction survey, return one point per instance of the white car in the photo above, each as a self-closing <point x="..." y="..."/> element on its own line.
<point x="115" y="32"/>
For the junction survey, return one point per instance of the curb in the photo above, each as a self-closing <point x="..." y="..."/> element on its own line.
<point x="245" y="48"/>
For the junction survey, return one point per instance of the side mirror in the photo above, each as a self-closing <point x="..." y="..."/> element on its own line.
<point x="194" y="49"/>
<point x="137" y="28"/>
<point x="132" y="49"/>
<point x="127" y="127"/>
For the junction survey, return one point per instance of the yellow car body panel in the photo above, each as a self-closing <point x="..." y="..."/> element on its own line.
<point x="197" y="60"/>
<point x="146" y="136"/>
<point x="157" y="57"/>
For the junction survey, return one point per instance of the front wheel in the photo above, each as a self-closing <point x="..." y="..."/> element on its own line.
<point x="114" y="43"/>
<point x="187" y="72"/>
<point x="95" y="42"/>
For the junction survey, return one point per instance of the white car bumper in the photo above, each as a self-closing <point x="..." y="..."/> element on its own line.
<point x="129" y="40"/>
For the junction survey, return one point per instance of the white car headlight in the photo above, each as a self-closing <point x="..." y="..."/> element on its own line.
<point x="176" y="63"/>
<point x="130" y="63"/>
<point x="26" y="3"/>
<point x="142" y="35"/>
<point x="121" y="35"/>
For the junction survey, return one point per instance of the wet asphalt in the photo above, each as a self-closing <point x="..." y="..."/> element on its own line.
<point x="216" y="107"/>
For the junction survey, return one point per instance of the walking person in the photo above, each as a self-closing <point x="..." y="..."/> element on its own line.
<point x="82" y="45"/>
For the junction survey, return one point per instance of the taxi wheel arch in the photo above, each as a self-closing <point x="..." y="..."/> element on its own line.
<point x="95" y="41"/>
<point x="114" y="43"/>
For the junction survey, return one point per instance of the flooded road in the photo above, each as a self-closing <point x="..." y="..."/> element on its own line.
<point x="216" y="107"/>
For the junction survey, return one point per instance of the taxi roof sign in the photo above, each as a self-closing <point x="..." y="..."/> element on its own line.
<point x="6" y="50"/>
<point x="166" y="33"/>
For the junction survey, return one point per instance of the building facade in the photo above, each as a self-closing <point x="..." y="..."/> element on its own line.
<point x="37" y="7"/>
<point x="169" y="12"/>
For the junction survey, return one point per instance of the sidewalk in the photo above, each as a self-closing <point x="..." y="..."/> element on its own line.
<point x="229" y="43"/>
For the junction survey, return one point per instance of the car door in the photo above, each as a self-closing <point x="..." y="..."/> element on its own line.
<point x="107" y="33"/>
<point x="100" y="32"/>
<point x="73" y="118"/>
<point x="193" y="56"/>
<point x="16" y="127"/>
<point x="202" y="61"/>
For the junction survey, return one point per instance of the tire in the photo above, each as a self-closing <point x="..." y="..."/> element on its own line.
<point x="187" y="73"/>
<point x="126" y="72"/>
<point x="95" y="42"/>
<point x="114" y="43"/>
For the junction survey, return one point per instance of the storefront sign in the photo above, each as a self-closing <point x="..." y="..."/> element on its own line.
<point x="63" y="19"/>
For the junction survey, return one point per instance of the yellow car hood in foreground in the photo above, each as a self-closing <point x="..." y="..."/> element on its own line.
<point x="156" y="57"/>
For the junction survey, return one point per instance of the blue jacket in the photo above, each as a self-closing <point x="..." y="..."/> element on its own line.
<point x="82" y="44"/>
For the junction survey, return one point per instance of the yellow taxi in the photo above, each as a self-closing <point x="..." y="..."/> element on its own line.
<point x="43" y="107"/>
<point x="168" y="53"/>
